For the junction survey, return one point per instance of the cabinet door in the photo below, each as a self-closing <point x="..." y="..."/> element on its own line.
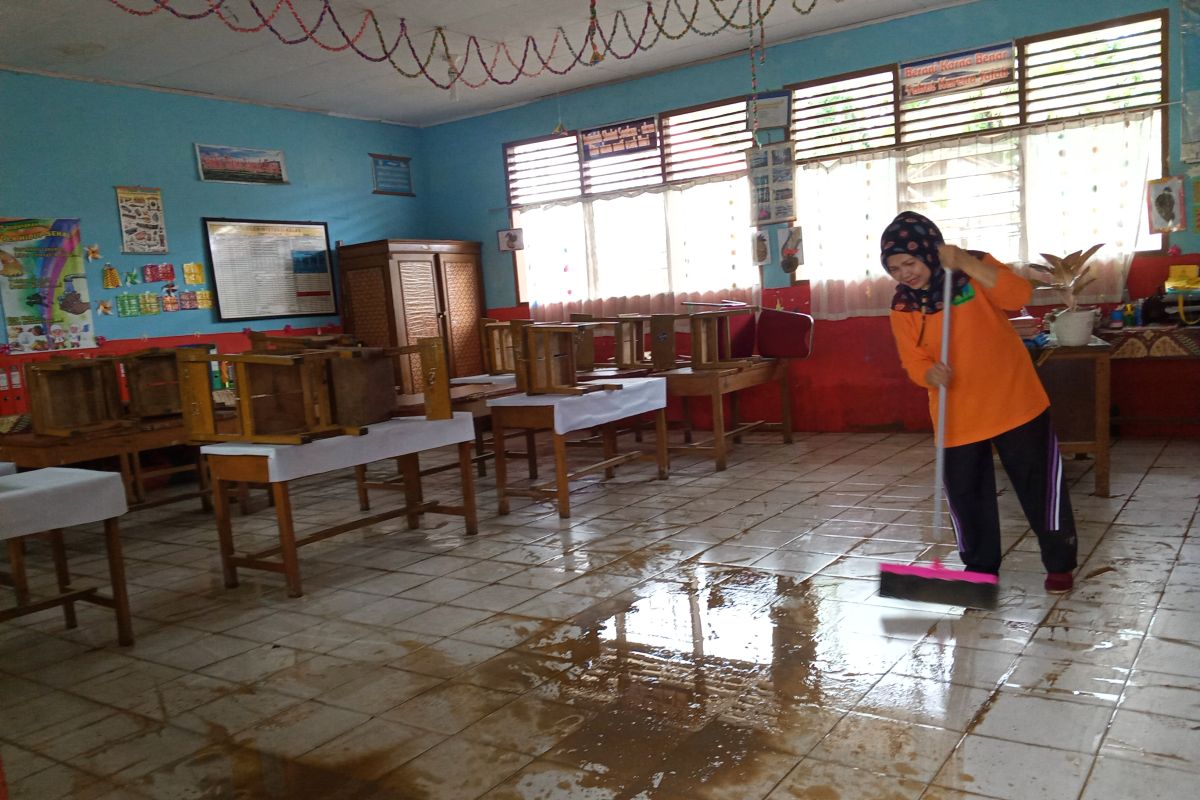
<point x="415" y="285"/>
<point x="369" y="313"/>
<point x="463" y="296"/>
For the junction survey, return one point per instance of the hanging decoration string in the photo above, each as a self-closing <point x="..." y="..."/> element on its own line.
<point x="618" y="40"/>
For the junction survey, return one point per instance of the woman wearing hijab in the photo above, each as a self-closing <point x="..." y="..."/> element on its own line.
<point x="993" y="397"/>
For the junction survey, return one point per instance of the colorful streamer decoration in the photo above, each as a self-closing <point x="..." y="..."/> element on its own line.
<point x="623" y="38"/>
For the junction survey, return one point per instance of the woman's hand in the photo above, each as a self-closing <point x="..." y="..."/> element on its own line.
<point x="955" y="258"/>
<point x="938" y="375"/>
<point x="952" y="256"/>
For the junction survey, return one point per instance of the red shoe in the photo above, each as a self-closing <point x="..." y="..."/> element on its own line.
<point x="1059" y="582"/>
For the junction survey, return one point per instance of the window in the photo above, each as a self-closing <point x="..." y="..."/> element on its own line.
<point x="658" y="223"/>
<point x="1053" y="162"/>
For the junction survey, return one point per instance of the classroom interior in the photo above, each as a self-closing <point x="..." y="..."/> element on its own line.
<point x="515" y="446"/>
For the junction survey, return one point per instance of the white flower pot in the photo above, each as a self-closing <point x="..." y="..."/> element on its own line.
<point x="1074" y="328"/>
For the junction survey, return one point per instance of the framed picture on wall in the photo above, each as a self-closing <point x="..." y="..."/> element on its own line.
<point x="392" y="175"/>
<point x="270" y="268"/>
<point x="240" y="164"/>
<point x="1165" y="204"/>
<point x="511" y="239"/>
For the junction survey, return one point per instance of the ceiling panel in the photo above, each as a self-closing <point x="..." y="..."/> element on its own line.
<point x="97" y="40"/>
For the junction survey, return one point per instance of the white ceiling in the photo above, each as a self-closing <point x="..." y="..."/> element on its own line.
<point x="97" y="40"/>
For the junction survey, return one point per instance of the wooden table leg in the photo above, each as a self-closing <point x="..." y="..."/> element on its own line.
<point x="1103" y="393"/>
<point x="62" y="574"/>
<point x="116" y="574"/>
<point x="609" y="441"/>
<point x="131" y="495"/>
<point x="531" y="452"/>
<point x="785" y="399"/>
<point x="561" y="476"/>
<point x="135" y="468"/>
<point x="205" y="481"/>
<point x="360" y="483"/>
<point x="686" y="404"/>
<point x="718" y="420"/>
<point x="481" y="468"/>
<point x="468" y="488"/>
<point x="501" y="464"/>
<point x="661" y="450"/>
<point x="287" y="537"/>
<point x="20" y="579"/>
<point x="410" y="468"/>
<point x="225" y="530"/>
<point x="734" y="416"/>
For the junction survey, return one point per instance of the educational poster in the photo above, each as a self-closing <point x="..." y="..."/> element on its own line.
<point x="143" y="229"/>
<point x="43" y="286"/>
<point x="772" y="172"/>
<point x="264" y="268"/>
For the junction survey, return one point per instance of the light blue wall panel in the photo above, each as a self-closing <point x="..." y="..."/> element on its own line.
<point x="66" y="144"/>
<point x="466" y="193"/>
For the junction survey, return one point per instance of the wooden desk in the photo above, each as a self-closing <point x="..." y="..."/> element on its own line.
<point x="566" y="414"/>
<point x="1078" y="382"/>
<point x="275" y="465"/>
<point x="715" y="384"/>
<point x="126" y="445"/>
<point x="43" y="502"/>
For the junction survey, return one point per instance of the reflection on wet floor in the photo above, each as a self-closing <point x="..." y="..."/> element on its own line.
<point x="628" y="653"/>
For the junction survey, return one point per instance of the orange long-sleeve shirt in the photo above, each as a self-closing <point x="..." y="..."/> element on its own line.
<point x="993" y="386"/>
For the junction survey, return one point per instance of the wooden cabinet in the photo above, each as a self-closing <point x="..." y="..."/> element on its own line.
<point x="395" y="291"/>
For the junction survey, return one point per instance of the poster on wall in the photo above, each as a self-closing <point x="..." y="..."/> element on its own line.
<point x="43" y="286"/>
<point x="634" y="136"/>
<point x="268" y="268"/>
<point x="958" y="72"/>
<point x="143" y="227"/>
<point x="240" y="164"/>
<point x="1165" y="203"/>
<point x="772" y="172"/>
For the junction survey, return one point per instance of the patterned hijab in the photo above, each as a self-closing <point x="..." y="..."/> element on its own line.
<point x="914" y="235"/>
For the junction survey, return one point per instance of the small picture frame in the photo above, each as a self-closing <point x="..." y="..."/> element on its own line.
<point x="1166" y="209"/>
<point x="392" y="175"/>
<point x="228" y="164"/>
<point x="510" y="239"/>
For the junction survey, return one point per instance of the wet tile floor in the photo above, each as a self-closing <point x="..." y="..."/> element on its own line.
<point x="717" y="635"/>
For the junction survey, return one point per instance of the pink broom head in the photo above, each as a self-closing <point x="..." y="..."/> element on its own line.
<point x="938" y="572"/>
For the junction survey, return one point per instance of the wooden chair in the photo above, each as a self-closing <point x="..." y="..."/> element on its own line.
<point x="74" y="396"/>
<point x="281" y="399"/>
<point x="711" y="343"/>
<point x="498" y="356"/>
<point x="274" y="343"/>
<point x="152" y="381"/>
<point x="546" y="359"/>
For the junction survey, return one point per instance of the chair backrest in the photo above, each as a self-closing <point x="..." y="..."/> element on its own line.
<point x="784" y="334"/>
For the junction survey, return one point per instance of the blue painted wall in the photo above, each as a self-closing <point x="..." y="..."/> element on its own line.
<point x="465" y="193"/>
<point x="66" y="144"/>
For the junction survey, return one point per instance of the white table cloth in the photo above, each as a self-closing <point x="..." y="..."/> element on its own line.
<point x="58" y="497"/>
<point x="577" y="412"/>
<point x="7" y="468"/>
<point x="395" y="437"/>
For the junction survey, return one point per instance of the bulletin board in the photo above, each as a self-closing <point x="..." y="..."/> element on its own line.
<point x="270" y="268"/>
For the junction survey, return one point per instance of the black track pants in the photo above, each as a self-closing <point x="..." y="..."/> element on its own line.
<point x="1031" y="458"/>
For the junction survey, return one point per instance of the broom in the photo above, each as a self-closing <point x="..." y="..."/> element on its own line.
<point x="936" y="583"/>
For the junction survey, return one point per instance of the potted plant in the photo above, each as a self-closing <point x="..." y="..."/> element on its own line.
<point x="1071" y="326"/>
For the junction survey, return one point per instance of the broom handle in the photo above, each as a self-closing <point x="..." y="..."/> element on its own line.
<point x="940" y="433"/>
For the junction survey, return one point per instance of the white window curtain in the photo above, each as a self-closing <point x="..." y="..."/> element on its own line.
<point x="644" y="252"/>
<point x="1051" y="189"/>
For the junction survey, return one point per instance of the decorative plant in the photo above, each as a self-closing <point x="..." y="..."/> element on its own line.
<point x="1068" y="274"/>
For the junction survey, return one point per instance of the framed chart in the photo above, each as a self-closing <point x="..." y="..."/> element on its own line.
<point x="268" y="268"/>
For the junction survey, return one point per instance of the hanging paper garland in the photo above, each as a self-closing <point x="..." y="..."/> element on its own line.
<point x="597" y="43"/>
